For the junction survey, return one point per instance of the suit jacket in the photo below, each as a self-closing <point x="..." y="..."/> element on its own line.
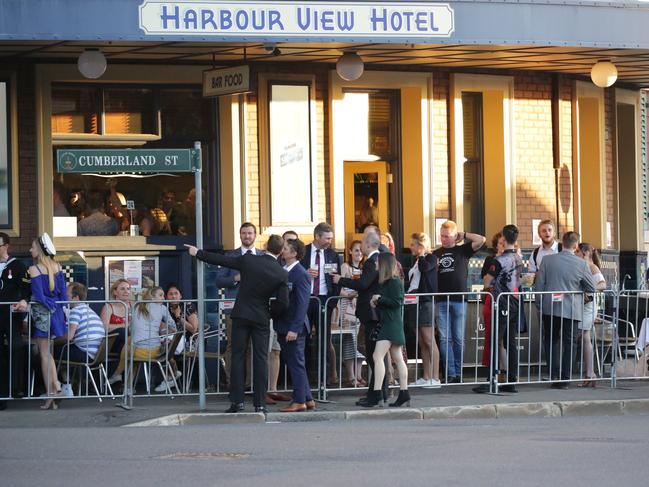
<point x="330" y="257"/>
<point x="262" y="278"/>
<point x="367" y="286"/>
<point x="14" y="285"/>
<point x="563" y="272"/>
<point x="295" y="318"/>
<point x="225" y="277"/>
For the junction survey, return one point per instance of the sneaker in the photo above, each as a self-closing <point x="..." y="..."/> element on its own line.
<point x="162" y="387"/>
<point x="178" y="374"/>
<point x="115" y="379"/>
<point x="421" y="382"/>
<point x="67" y="390"/>
<point x="433" y="384"/>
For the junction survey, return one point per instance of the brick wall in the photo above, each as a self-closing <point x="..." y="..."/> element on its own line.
<point x="611" y="172"/>
<point x="441" y="141"/>
<point x="27" y="160"/>
<point x="566" y="193"/>
<point x="533" y="162"/>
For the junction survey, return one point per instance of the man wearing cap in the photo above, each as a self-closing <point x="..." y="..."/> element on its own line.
<point x="14" y="288"/>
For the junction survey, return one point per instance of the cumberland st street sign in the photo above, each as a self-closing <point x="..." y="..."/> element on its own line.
<point x="296" y="19"/>
<point x="125" y="160"/>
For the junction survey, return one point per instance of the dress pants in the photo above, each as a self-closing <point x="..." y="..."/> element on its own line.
<point x="508" y="319"/>
<point x="259" y="333"/>
<point x="12" y="357"/>
<point x="560" y="343"/>
<point x="370" y="345"/>
<point x="293" y="355"/>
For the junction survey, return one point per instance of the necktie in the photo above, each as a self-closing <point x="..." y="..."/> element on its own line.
<point x="316" y="281"/>
<point x="249" y="251"/>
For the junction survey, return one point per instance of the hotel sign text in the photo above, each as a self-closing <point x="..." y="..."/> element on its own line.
<point x="324" y="20"/>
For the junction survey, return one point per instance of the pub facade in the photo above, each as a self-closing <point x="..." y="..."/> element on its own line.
<point x="403" y="114"/>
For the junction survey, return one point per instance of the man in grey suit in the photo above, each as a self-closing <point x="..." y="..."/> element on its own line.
<point x="558" y="274"/>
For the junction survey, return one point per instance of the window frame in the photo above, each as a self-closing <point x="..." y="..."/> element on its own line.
<point x="267" y="223"/>
<point x="12" y="227"/>
<point x="122" y="75"/>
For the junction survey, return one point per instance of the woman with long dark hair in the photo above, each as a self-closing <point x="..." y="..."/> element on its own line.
<point x="390" y="337"/>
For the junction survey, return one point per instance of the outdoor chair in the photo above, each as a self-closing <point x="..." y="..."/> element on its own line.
<point x="97" y="364"/>
<point x="167" y="351"/>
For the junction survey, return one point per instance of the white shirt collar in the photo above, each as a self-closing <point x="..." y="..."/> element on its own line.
<point x="253" y="250"/>
<point x="289" y="267"/>
<point x="373" y="252"/>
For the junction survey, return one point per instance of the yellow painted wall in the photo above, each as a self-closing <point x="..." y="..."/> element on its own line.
<point x="494" y="162"/>
<point x="593" y="230"/>
<point x="229" y="180"/>
<point x="411" y="150"/>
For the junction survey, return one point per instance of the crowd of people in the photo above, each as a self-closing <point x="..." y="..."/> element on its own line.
<point x="300" y="281"/>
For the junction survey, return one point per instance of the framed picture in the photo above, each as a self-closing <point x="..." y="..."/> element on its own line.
<point x="140" y="271"/>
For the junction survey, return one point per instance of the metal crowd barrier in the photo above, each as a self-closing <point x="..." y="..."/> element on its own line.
<point x="463" y="336"/>
<point x="529" y="347"/>
<point x="80" y="377"/>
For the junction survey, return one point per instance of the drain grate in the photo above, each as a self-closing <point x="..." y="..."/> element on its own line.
<point x="204" y="456"/>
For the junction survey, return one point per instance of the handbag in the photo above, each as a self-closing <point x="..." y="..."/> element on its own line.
<point x="376" y="317"/>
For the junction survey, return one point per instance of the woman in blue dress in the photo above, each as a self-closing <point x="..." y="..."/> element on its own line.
<point x="48" y="320"/>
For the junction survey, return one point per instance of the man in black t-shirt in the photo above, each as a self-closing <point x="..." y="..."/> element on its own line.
<point x="453" y="257"/>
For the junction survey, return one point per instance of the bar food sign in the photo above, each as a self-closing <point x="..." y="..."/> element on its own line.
<point x="296" y="19"/>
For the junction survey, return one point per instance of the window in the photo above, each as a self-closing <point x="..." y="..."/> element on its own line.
<point x="99" y="204"/>
<point x="473" y="162"/>
<point x="5" y="157"/>
<point x="290" y="153"/>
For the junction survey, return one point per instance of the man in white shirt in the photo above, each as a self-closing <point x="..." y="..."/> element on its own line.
<point x="549" y="245"/>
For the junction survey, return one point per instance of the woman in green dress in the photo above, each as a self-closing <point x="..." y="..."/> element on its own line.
<point x="391" y="337"/>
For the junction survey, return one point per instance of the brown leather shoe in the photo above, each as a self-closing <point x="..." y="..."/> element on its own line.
<point x="310" y="405"/>
<point x="294" y="407"/>
<point x="279" y="397"/>
<point x="269" y="400"/>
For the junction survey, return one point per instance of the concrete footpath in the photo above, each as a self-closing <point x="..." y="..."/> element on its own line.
<point x="458" y="401"/>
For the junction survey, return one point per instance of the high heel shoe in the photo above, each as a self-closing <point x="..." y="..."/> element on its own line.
<point x="589" y="382"/>
<point x="374" y="398"/>
<point x="403" y="398"/>
<point x="50" y="404"/>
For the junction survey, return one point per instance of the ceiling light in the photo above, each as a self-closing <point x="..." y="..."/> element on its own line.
<point x="350" y="66"/>
<point x="603" y="73"/>
<point x="92" y="63"/>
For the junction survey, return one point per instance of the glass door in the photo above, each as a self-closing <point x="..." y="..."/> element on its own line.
<point x="366" y="197"/>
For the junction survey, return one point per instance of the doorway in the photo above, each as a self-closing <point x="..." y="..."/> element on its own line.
<point x="472" y="123"/>
<point x="373" y="174"/>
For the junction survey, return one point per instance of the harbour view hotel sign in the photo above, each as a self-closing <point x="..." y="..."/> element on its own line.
<point x="317" y="20"/>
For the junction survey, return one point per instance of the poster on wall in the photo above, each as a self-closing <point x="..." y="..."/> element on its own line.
<point x="140" y="272"/>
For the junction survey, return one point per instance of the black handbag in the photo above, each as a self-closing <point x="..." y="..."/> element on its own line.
<point x="376" y="318"/>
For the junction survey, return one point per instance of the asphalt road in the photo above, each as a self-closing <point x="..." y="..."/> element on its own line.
<point x="575" y="451"/>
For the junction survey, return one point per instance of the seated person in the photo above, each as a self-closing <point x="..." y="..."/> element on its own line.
<point x="85" y="330"/>
<point x="97" y="223"/>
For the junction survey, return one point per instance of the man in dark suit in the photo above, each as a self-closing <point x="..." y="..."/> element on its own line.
<point x="14" y="288"/>
<point x="228" y="279"/>
<point x="262" y="278"/>
<point x="367" y="286"/>
<point x="293" y="326"/>
<point x="321" y="261"/>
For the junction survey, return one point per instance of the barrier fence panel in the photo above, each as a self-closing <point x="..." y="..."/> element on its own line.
<point x="463" y="335"/>
<point x="554" y="337"/>
<point x="631" y="338"/>
<point x="67" y="360"/>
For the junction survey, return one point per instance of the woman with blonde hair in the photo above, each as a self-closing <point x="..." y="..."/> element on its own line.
<point x="148" y="319"/>
<point x="48" y="320"/>
<point x="390" y="336"/>
<point x="422" y="279"/>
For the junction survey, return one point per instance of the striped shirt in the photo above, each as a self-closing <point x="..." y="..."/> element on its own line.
<point x="90" y="329"/>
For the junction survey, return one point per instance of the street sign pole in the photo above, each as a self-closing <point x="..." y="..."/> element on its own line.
<point x="200" y="290"/>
